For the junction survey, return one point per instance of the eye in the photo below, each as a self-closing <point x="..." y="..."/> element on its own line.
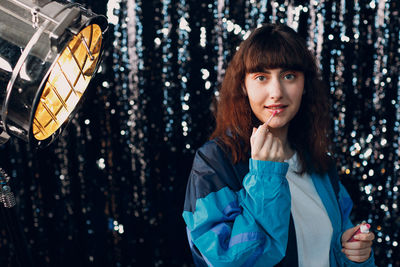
<point x="289" y="76"/>
<point x="261" y="78"/>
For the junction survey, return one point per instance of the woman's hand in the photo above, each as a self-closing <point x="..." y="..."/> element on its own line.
<point x="264" y="146"/>
<point x="357" y="251"/>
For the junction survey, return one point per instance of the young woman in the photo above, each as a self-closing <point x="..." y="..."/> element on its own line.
<point x="263" y="190"/>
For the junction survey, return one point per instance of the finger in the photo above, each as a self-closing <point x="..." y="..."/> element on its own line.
<point x="276" y="148"/>
<point x="270" y="147"/>
<point x="349" y="233"/>
<point x="266" y="148"/>
<point x="365" y="237"/>
<point x="262" y="130"/>
<point x="357" y="244"/>
<point x="357" y="252"/>
<point x="252" y="136"/>
<point x="263" y="151"/>
<point x="259" y="137"/>
<point x="280" y="152"/>
<point x="358" y="258"/>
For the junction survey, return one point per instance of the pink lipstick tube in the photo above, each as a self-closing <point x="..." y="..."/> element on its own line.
<point x="270" y="118"/>
<point x="364" y="228"/>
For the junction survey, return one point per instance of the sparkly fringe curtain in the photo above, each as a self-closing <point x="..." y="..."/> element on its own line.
<point x="110" y="191"/>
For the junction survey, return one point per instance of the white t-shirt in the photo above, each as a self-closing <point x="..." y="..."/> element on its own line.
<point x="312" y="224"/>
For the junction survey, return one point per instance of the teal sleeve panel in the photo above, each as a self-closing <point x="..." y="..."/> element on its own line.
<point x="248" y="227"/>
<point x="346" y="205"/>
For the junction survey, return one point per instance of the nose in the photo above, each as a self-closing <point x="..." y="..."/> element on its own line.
<point x="275" y="89"/>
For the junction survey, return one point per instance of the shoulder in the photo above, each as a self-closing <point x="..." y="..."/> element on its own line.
<point x="211" y="162"/>
<point x="211" y="145"/>
<point x="213" y="155"/>
<point x="213" y="170"/>
<point x="212" y="151"/>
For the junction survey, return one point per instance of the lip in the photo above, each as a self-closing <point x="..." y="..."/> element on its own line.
<point x="276" y="107"/>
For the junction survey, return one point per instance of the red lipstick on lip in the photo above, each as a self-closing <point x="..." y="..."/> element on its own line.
<point x="276" y="108"/>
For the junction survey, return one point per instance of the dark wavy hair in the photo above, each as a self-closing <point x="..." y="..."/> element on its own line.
<point x="268" y="47"/>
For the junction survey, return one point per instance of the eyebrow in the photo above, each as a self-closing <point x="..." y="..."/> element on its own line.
<point x="269" y="72"/>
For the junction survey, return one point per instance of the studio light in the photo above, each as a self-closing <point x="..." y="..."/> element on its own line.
<point x="49" y="52"/>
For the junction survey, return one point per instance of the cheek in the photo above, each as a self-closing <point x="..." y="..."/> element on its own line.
<point x="296" y="95"/>
<point x="298" y="98"/>
<point x="256" y="96"/>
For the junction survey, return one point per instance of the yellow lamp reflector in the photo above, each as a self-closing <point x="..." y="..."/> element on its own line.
<point x="67" y="81"/>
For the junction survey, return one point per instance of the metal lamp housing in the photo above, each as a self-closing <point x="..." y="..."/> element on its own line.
<point x="49" y="51"/>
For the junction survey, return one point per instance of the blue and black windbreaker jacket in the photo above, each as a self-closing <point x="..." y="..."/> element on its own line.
<point x="239" y="214"/>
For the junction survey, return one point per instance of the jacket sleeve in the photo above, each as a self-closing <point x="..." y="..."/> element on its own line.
<point x="346" y="205"/>
<point x="240" y="228"/>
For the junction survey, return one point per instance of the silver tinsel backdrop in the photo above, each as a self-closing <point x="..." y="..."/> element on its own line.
<point x="110" y="191"/>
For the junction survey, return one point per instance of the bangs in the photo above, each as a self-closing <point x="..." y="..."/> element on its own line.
<point x="272" y="51"/>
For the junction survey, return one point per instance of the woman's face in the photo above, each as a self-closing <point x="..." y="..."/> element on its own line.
<point x="273" y="90"/>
